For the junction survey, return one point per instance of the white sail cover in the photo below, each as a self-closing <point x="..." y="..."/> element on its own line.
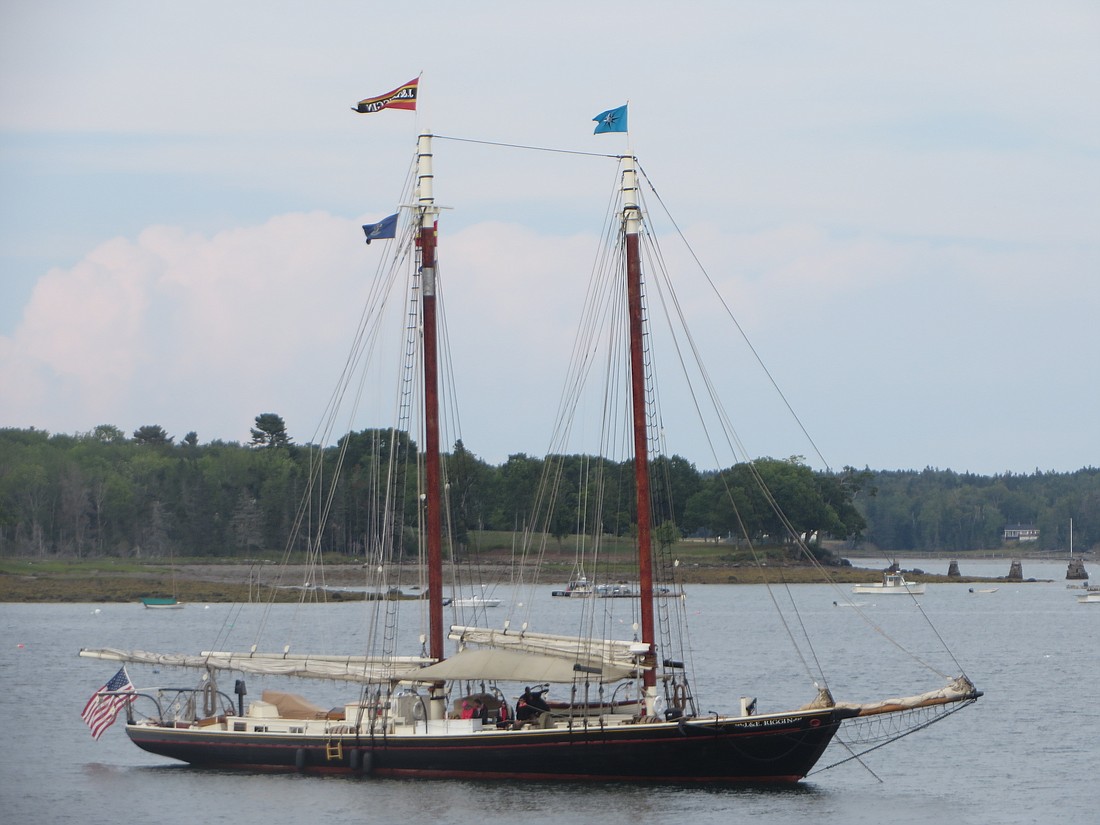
<point x="510" y="655"/>
<point x="513" y="666"/>
<point x="960" y="689"/>
<point x="340" y="668"/>
<point x="612" y="659"/>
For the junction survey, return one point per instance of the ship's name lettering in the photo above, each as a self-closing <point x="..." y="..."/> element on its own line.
<point x="768" y="723"/>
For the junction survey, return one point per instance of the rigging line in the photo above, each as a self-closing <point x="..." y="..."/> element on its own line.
<point x="858" y="758"/>
<point x="728" y="432"/>
<point x="655" y="430"/>
<point x="801" y="624"/>
<point x="531" y="148"/>
<point x="733" y="318"/>
<point x="804" y="549"/>
<point x="936" y="631"/>
<point x="752" y="467"/>
<point x="919" y="727"/>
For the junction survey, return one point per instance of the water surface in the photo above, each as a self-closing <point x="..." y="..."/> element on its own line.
<point x="1026" y="752"/>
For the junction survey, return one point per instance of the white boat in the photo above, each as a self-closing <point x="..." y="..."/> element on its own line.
<point x="476" y="601"/>
<point x="891" y="584"/>
<point x="632" y="712"/>
<point x="1091" y="595"/>
<point x="161" y="603"/>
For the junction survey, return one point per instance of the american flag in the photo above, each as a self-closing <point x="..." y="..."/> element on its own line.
<point x="102" y="709"/>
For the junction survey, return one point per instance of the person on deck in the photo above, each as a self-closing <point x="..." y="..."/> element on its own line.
<point x="531" y="705"/>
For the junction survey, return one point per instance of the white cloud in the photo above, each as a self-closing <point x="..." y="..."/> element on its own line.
<point x="183" y="330"/>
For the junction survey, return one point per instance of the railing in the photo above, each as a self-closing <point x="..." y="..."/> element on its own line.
<point x="184" y="704"/>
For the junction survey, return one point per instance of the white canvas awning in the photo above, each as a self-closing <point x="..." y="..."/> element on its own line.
<point x="612" y="651"/>
<point x="514" y="666"/>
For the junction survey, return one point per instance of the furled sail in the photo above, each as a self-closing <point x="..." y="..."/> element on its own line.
<point x="607" y="657"/>
<point x="514" y="666"/>
<point x="340" y="668"/>
<point x="960" y="689"/>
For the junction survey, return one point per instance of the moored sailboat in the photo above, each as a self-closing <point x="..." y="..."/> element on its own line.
<point x="161" y="602"/>
<point x="632" y="714"/>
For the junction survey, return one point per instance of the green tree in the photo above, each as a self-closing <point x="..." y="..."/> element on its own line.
<point x="108" y="434"/>
<point x="467" y="479"/>
<point x="270" y="431"/>
<point x="152" y="434"/>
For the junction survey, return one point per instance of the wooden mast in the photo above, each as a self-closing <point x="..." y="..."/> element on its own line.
<point x="631" y="226"/>
<point x="433" y="504"/>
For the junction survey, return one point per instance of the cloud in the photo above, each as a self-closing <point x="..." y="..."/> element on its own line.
<point x="182" y="329"/>
<point x="203" y="332"/>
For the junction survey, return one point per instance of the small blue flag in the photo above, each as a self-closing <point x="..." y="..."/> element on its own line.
<point x="613" y="120"/>
<point x="385" y="228"/>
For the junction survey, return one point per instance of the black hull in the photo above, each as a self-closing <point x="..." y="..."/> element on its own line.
<point x="766" y="750"/>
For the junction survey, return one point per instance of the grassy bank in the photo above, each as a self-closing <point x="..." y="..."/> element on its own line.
<point x="116" y="580"/>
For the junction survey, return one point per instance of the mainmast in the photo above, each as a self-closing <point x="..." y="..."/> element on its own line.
<point x="632" y="219"/>
<point x="426" y="213"/>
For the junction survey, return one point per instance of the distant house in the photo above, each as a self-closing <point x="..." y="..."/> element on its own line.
<point x="1021" y="532"/>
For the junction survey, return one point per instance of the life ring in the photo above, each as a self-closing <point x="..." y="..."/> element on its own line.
<point x="419" y="711"/>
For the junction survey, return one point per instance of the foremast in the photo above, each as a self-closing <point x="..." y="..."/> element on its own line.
<point x="427" y="213"/>
<point x="631" y="222"/>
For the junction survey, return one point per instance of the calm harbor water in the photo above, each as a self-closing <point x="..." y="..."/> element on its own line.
<point x="1029" y="750"/>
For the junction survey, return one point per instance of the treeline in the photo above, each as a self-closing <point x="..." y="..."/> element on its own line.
<point x="940" y="510"/>
<point x="104" y="493"/>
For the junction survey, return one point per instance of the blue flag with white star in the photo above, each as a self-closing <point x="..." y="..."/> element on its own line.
<point x="385" y="228"/>
<point x="613" y="120"/>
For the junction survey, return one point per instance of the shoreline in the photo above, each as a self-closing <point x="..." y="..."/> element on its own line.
<point x="110" y="581"/>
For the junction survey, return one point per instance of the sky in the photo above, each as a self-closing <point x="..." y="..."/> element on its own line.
<point x="900" y="201"/>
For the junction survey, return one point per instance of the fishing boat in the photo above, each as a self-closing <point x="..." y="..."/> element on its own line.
<point x="892" y="584"/>
<point x="627" y="707"/>
<point x="1091" y="594"/>
<point x="579" y="588"/>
